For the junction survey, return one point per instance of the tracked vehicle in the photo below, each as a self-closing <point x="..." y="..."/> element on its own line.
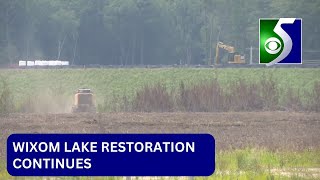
<point x="84" y="101"/>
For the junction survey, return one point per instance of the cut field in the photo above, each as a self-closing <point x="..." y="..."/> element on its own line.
<point x="53" y="84"/>
<point x="232" y="130"/>
<point x="258" y="145"/>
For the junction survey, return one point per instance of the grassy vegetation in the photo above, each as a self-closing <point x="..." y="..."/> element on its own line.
<point x="244" y="164"/>
<point x="109" y="83"/>
<point x="264" y="164"/>
<point x="6" y="101"/>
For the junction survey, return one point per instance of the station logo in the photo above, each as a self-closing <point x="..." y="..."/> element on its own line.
<point x="280" y="41"/>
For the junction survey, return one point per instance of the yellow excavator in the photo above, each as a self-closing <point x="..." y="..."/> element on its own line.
<point x="233" y="56"/>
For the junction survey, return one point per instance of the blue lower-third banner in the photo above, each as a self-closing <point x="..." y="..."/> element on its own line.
<point x="110" y="154"/>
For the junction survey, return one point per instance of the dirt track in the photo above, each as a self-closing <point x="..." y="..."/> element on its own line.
<point x="273" y="130"/>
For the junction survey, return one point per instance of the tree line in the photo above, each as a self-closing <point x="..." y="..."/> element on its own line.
<point x="137" y="32"/>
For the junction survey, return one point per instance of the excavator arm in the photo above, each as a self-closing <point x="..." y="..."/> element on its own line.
<point x="231" y="50"/>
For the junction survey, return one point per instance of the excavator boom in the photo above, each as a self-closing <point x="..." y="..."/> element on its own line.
<point x="235" y="58"/>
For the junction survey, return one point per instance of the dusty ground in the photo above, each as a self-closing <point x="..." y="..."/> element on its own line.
<point x="273" y="130"/>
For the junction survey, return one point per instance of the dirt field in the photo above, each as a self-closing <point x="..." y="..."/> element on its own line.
<point x="273" y="130"/>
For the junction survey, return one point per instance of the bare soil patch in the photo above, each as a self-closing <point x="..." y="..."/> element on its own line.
<point x="271" y="130"/>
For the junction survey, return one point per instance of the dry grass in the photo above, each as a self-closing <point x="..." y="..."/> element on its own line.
<point x="314" y="98"/>
<point x="6" y="101"/>
<point x="154" y="98"/>
<point x="239" y="95"/>
<point x="201" y="98"/>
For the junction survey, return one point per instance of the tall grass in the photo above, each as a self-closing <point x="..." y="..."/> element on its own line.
<point x="6" y="100"/>
<point x="239" y="95"/>
<point x="314" y="97"/>
<point x="153" y="98"/>
<point x="202" y="97"/>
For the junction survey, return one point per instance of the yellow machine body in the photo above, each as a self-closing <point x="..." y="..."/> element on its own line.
<point x="234" y="57"/>
<point x="84" y="101"/>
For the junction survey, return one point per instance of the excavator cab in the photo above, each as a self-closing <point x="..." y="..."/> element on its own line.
<point x="84" y="101"/>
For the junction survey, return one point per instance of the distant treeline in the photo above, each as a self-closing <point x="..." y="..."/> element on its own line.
<point x="136" y="32"/>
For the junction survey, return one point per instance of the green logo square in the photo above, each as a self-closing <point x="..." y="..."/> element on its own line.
<point x="280" y="41"/>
